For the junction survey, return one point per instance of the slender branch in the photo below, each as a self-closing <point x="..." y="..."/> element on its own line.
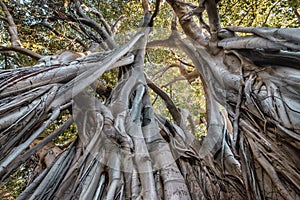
<point x="84" y="32"/>
<point x="297" y="14"/>
<point x="91" y="23"/>
<point x="12" y="29"/>
<point x="174" y="22"/>
<point x="190" y="77"/>
<point x="203" y="23"/>
<point x="21" y="50"/>
<point x="157" y="4"/>
<point x="3" y="19"/>
<point x="176" y="79"/>
<point x="16" y="44"/>
<point x="76" y="39"/>
<point x="168" y="101"/>
<point x="181" y="61"/>
<point x="243" y="17"/>
<point x="101" y="18"/>
<point x="189" y="4"/>
<point x="163" y="70"/>
<point x="117" y="24"/>
<point x="237" y="110"/>
<point x="269" y="13"/>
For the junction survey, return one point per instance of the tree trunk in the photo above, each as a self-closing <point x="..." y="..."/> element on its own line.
<point x="126" y="150"/>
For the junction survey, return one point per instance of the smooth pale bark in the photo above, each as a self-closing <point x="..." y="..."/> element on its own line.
<point x="125" y="150"/>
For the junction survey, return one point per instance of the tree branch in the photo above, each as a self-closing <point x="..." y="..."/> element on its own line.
<point x="146" y="6"/>
<point x="161" y="43"/>
<point x="168" y="101"/>
<point x="3" y="19"/>
<point x="12" y="29"/>
<point x="188" y="25"/>
<point x="182" y="61"/>
<point x="101" y="18"/>
<point x="117" y="24"/>
<point x="163" y="70"/>
<point x="47" y="25"/>
<point x="91" y="23"/>
<point x="83" y="31"/>
<point x="21" y="50"/>
<point x="297" y="14"/>
<point x="213" y="17"/>
<point x="157" y="4"/>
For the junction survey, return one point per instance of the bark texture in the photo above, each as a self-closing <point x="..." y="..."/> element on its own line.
<point x="125" y="150"/>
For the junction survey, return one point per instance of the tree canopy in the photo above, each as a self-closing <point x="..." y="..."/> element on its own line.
<point x="149" y="99"/>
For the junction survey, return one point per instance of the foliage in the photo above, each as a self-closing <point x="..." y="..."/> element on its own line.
<point x="48" y="27"/>
<point x="17" y="182"/>
<point x="255" y="13"/>
<point x="67" y="136"/>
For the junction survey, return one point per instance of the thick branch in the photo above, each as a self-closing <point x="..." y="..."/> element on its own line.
<point x="188" y="25"/>
<point x="146" y="6"/>
<point x="161" y="43"/>
<point x="284" y="37"/>
<point x="214" y="19"/>
<point x="85" y="79"/>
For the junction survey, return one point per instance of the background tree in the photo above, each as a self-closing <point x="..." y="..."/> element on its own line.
<point x="124" y="148"/>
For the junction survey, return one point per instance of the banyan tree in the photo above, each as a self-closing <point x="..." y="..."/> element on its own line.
<point x="124" y="148"/>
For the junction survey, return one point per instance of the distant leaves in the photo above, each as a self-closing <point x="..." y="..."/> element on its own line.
<point x="274" y="13"/>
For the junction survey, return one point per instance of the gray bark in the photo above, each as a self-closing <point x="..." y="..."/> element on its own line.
<point x="125" y="150"/>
